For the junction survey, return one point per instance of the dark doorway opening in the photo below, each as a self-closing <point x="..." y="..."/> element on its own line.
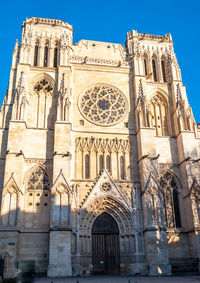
<point x="1" y="267"/>
<point x="105" y="245"/>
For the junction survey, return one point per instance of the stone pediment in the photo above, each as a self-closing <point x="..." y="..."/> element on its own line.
<point x="105" y="187"/>
<point x="11" y="183"/>
<point x="61" y="181"/>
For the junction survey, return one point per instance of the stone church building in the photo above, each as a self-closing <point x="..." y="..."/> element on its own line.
<point x="100" y="157"/>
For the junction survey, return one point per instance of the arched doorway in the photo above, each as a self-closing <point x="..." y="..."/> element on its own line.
<point x="105" y="245"/>
<point x="1" y="267"/>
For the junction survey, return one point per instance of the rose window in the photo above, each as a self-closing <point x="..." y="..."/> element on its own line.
<point x="103" y="105"/>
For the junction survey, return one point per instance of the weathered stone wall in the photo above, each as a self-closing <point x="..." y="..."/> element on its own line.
<point x="96" y="128"/>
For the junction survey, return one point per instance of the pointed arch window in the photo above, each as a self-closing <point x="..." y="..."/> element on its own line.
<point x="145" y="67"/>
<point x="38" y="180"/>
<point x="108" y="163"/>
<point x="100" y="163"/>
<point x="154" y="70"/>
<point x="159" y="110"/>
<point x="163" y="71"/>
<point x="87" y="166"/>
<point x="171" y="201"/>
<point x="46" y="51"/>
<point x="38" y="199"/>
<point x="55" y="59"/>
<point x="122" y="167"/>
<point x="36" y="55"/>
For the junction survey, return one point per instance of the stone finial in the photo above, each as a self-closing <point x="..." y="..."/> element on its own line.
<point x="179" y="97"/>
<point x="63" y="90"/>
<point x="20" y="87"/>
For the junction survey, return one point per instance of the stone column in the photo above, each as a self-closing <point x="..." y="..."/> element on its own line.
<point x="60" y="234"/>
<point x="156" y="247"/>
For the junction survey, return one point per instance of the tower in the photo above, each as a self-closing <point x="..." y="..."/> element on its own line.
<point x="98" y="172"/>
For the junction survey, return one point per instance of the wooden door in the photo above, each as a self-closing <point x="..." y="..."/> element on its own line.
<point x="105" y="245"/>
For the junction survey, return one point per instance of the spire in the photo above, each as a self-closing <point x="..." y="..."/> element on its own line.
<point x="16" y="45"/>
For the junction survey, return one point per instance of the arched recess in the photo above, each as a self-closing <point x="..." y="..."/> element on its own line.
<point x="11" y="198"/>
<point x="61" y="205"/>
<point x="145" y="64"/>
<point x="164" y="69"/>
<point x="169" y="187"/>
<point x="159" y="110"/>
<point x="37" y="198"/>
<point x="10" y="207"/>
<point x="36" y="53"/>
<point x="42" y="102"/>
<point x="4" y="264"/>
<point x="55" y="53"/>
<point x="105" y="245"/>
<point x="195" y="202"/>
<point x="154" y="63"/>
<point x="124" y="218"/>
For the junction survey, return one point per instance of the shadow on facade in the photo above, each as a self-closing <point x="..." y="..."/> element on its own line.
<point x="103" y="248"/>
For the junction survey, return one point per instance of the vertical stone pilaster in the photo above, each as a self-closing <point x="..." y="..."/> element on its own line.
<point x="60" y="254"/>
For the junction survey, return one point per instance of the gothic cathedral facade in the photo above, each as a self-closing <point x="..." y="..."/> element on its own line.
<point x="100" y="157"/>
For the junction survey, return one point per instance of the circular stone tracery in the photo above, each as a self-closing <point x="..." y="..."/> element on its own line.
<point x="105" y="187"/>
<point x="103" y="105"/>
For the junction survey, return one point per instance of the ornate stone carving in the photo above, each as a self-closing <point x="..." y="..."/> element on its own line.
<point x="103" y="105"/>
<point x="38" y="180"/>
<point x="43" y="86"/>
<point x="106" y="187"/>
<point x="63" y="102"/>
<point x="102" y="145"/>
<point x="99" y="61"/>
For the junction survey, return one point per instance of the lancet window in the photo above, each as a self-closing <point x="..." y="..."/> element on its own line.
<point x="46" y="51"/>
<point x="36" y="50"/>
<point x="122" y="167"/>
<point x="100" y="163"/>
<point x="154" y="69"/>
<point x="145" y="67"/>
<point x="163" y="71"/>
<point x="87" y="166"/>
<point x="171" y="201"/>
<point x="98" y="154"/>
<point x="108" y="163"/>
<point x="159" y="110"/>
<point x="55" y="58"/>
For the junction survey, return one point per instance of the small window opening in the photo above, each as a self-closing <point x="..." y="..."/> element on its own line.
<point x="55" y="61"/>
<point x="163" y="71"/>
<point x="45" y="56"/>
<point x="36" y="55"/>
<point x="154" y="70"/>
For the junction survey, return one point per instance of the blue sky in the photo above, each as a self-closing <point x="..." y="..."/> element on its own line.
<point x="110" y="21"/>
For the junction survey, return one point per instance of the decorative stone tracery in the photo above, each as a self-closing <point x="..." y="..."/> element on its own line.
<point x="37" y="199"/>
<point x="103" y="105"/>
